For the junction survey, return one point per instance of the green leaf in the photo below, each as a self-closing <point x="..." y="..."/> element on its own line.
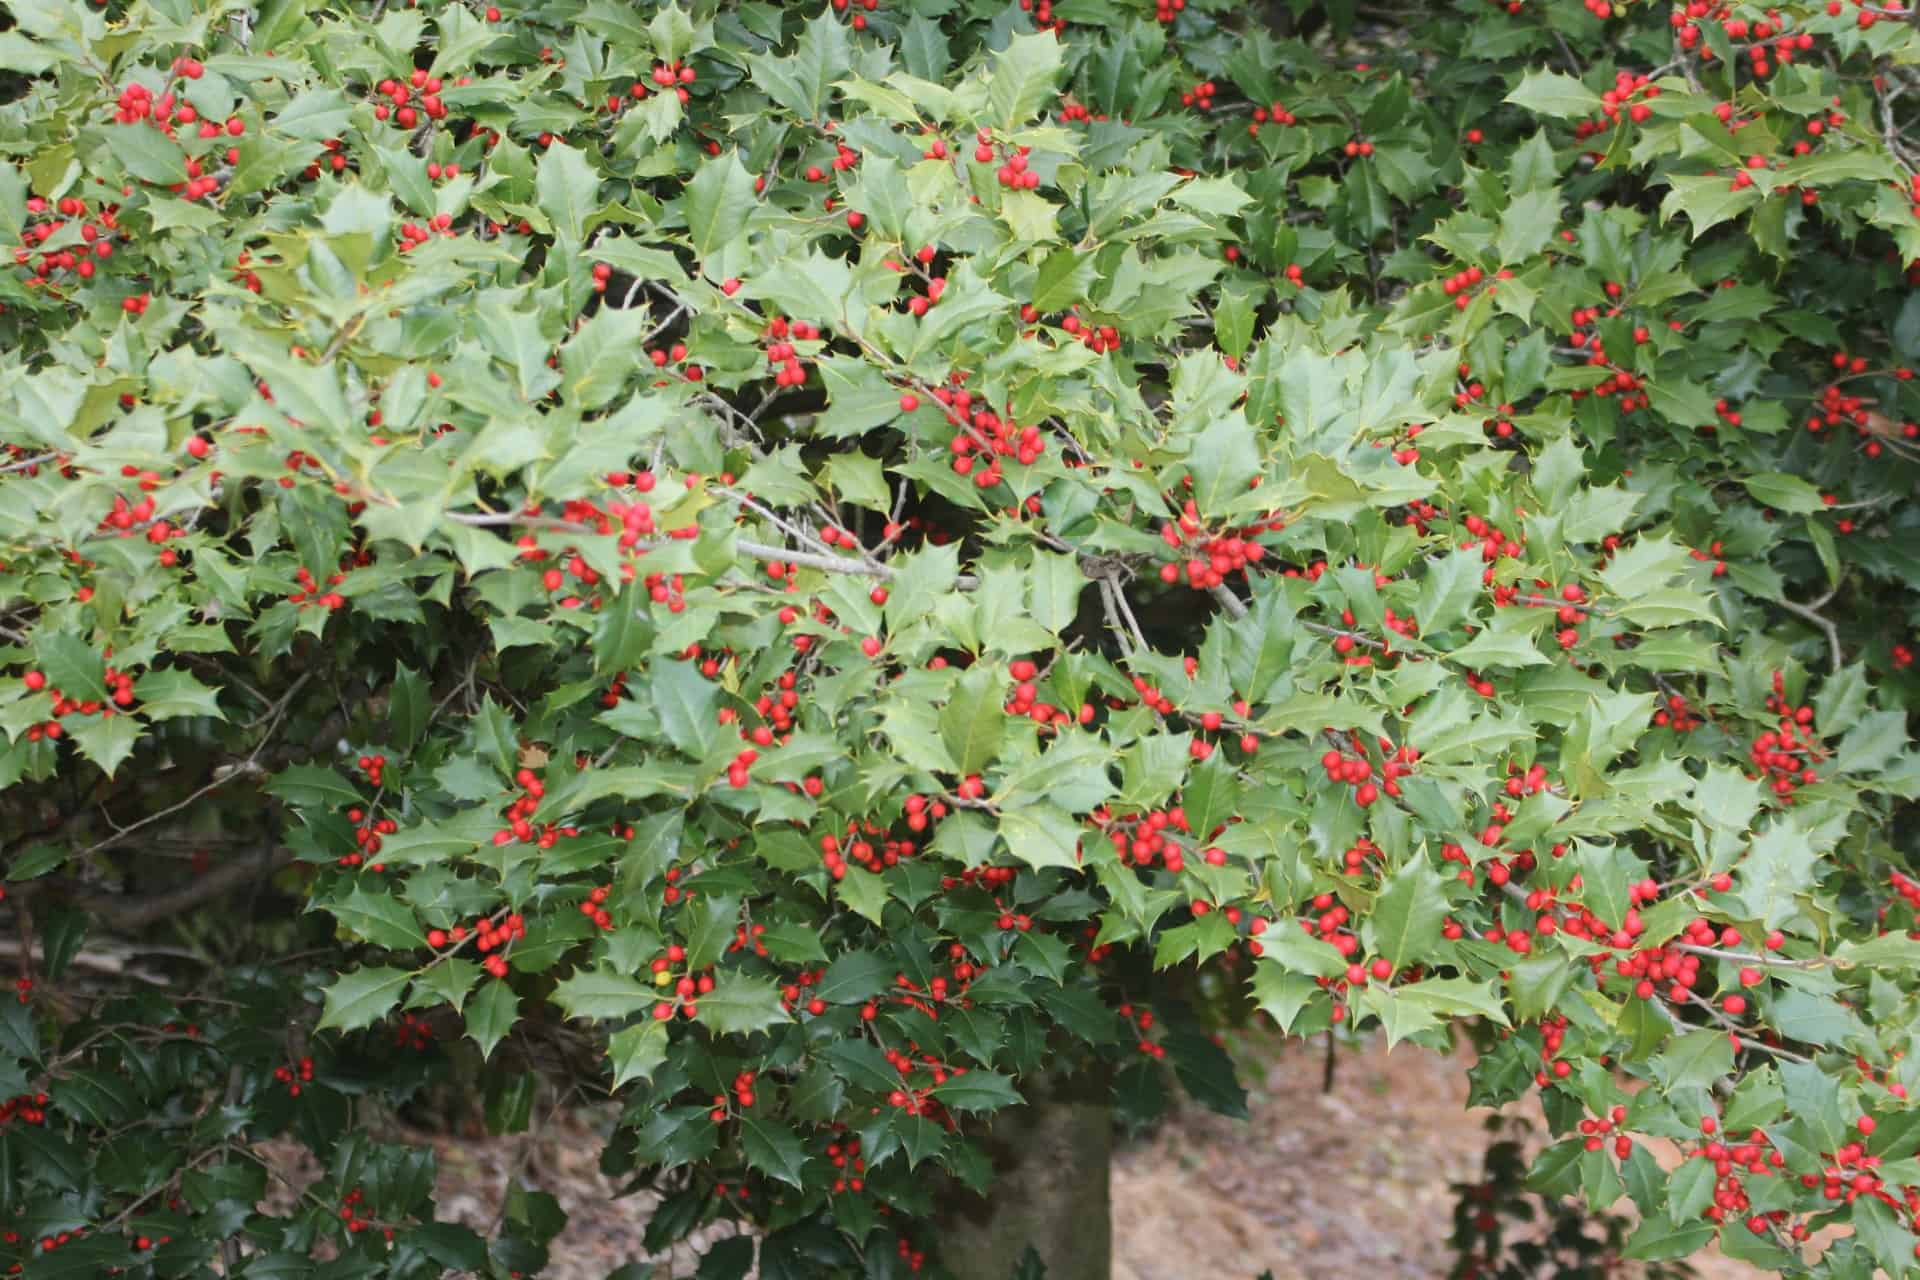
<point x="1783" y="492"/>
<point x="148" y="155"/>
<point x="107" y="740"/>
<point x="362" y="997"/>
<point x="1455" y="997"/>
<point x="1042" y="835"/>
<point x="637" y="1051"/>
<point x="978" y="1090"/>
<point x="773" y="1149"/>
<point x="864" y="1065"/>
<point x="407" y="706"/>
<point x="1499" y="649"/>
<point x="600" y="995"/>
<point x="973" y="722"/>
<point x="1873" y="741"/>
<point x="1451" y="585"/>
<point x="1660" y="1237"/>
<point x="491" y="1014"/>
<point x="1527" y="223"/>
<point x="1707" y="202"/>
<point x="1891" y="1244"/>
<point x="739" y="1005"/>
<point x="1023" y="78"/>
<point x="168" y="694"/>
<point x="1777" y="870"/>
<point x="309" y="786"/>
<point x="719" y="200"/>
<point x="1726" y="799"/>
<point x="568" y="190"/>
<point x="686" y="703"/>
<point x="1552" y="93"/>
<point x="1054" y="584"/>
<point x="72" y="666"/>
<point x="1818" y="1020"/>
<point x="1889" y="950"/>
<point x="380" y="918"/>
<point x="1698" y="1058"/>
<point x="1408" y="914"/>
<point x="812" y="286"/>
<point x="854" y="977"/>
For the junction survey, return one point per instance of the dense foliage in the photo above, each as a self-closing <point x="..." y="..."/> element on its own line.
<point x="817" y="570"/>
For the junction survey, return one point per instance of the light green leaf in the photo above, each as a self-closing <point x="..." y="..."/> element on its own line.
<point x="1023" y="78"/>
<point x="491" y="1014"/>
<point x="739" y="1005"/>
<point x="1552" y="93"/>
<point x="1407" y="916"/>
<point x="1783" y="492"/>
<point x="719" y="200"/>
<point x="1042" y="835"/>
<point x="362" y="997"/>
<point x="568" y="190"/>
<point x="974" y="721"/>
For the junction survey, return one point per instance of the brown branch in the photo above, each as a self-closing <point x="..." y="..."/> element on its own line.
<point x="128" y="912"/>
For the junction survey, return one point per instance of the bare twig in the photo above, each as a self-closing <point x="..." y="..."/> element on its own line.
<point x="1113" y="615"/>
<point x="1811" y="614"/>
<point x="1230" y="602"/>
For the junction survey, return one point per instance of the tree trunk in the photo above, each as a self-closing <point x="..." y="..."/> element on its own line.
<point x="1050" y="1191"/>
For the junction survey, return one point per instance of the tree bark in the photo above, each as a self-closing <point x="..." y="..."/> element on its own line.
<point x="1050" y="1191"/>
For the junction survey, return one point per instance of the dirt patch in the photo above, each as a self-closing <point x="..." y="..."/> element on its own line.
<point x="1352" y="1181"/>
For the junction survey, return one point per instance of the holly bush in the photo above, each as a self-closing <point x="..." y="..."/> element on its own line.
<point x="818" y="573"/>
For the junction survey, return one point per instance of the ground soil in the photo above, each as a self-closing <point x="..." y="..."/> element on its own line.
<point x="1352" y="1183"/>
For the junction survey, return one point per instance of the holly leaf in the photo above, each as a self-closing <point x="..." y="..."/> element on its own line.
<point x="1408" y="914"/>
<point x="362" y="997"/>
<point x="1023" y="76"/>
<point x="740" y="1005"/>
<point x="719" y="200"/>
<point x="166" y="695"/>
<point x="854" y="977"/>
<point x="773" y="1149"/>
<point x="978" y="1090"/>
<point x="600" y="995"/>
<point x="1553" y="93"/>
<point x="973" y="722"/>
<point x="637" y="1051"/>
<point x="380" y="918"/>
<point x="490" y="1015"/>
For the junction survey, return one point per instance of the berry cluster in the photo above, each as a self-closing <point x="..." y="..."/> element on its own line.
<point x="400" y="105"/>
<point x="1349" y="765"/>
<point x="352" y="1214"/>
<point x="594" y="907"/>
<point x="413" y="1032"/>
<point x="25" y="1108"/>
<point x="742" y="1097"/>
<point x="1201" y="96"/>
<point x="781" y="351"/>
<point x="1784" y="756"/>
<point x="367" y="833"/>
<point x="488" y="936"/>
<point x="860" y="10"/>
<point x="1209" y="559"/>
<point x="859" y="848"/>
<point x="96" y="231"/>
<point x="1269" y="115"/>
<point x="1627" y="86"/>
<point x="119" y="695"/>
<point x="1013" y="173"/>
<point x="843" y="1153"/>
<point x="295" y="1075"/>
